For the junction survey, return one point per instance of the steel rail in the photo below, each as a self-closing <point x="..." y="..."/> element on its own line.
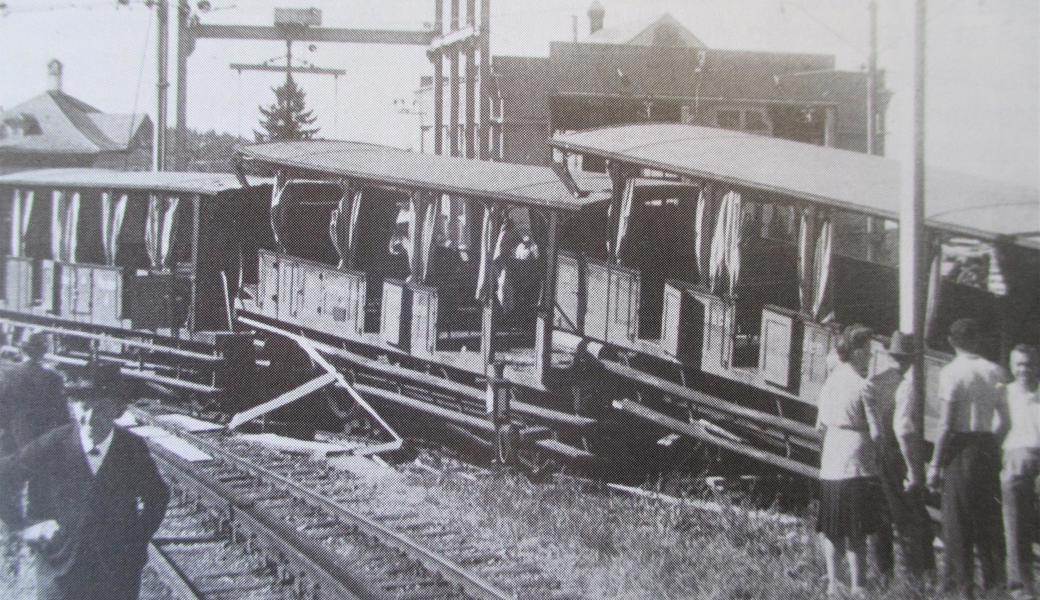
<point x="473" y="584"/>
<point x="325" y="571"/>
<point x="174" y="579"/>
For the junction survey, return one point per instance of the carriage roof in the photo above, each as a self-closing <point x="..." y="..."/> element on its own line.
<point x="207" y="184"/>
<point x="954" y="202"/>
<point x="523" y="184"/>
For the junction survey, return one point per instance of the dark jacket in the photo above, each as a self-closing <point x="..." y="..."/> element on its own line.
<point x="31" y="404"/>
<point x="106" y="520"/>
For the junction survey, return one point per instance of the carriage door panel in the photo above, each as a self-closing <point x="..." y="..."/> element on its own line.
<point x="780" y="350"/>
<point x="267" y="286"/>
<point x="106" y="304"/>
<point x="816" y="345"/>
<point x="424" y="320"/>
<point x="285" y="288"/>
<point x="393" y="312"/>
<point x="623" y="307"/>
<point x="933" y="363"/>
<point x="46" y="285"/>
<point x="310" y="306"/>
<point x="597" y="307"/>
<point x="18" y="281"/>
<point x="568" y="281"/>
<point x="84" y="283"/>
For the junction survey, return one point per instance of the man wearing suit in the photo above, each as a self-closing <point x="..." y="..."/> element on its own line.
<point x="101" y="497"/>
<point x="30" y="398"/>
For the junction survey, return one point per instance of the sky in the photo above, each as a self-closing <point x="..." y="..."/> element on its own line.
<point x="983" y="64"/>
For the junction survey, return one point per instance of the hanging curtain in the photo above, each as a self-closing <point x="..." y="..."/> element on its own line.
<point x="997" y="283"/>
<point x="15" y="248"/>
<point x="490" y="249"/>
<point x="822" y="269"/>
<point x="27" y="209"/>
<point x="704" y="224"/>
<point x="724" y="268"/>
<point x="57" y="215"/>
<point x="152" y="230"/>
<point x="70" y="229"/>
<point x="352" y="232"/>
<point x="624" y="218"/>
<point x="339" y="228"/>
<point x="429" y="223"/>
<point x="735" y="237"/>
<point x="169" y="232"/>
<point x="806" y="247"/>
<point x="277" y="190"/>
<point x="112" y="214"/>
<point x="934" y="298"/>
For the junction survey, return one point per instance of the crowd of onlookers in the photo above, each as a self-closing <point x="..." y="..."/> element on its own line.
<point x="984" y="466"/>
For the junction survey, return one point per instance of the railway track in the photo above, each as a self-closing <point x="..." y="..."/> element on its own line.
<point x="324" y="536"/>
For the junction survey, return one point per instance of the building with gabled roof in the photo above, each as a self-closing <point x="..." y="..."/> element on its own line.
<point x="55" y="129"/>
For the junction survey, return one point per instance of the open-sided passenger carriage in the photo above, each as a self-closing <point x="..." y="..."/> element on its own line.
<point x="718" y="296"/>
<point x="422" y="278"/>
<point x="135" y="268"/>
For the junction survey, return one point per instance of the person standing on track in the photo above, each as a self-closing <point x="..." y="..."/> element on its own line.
<point x="966" y="463"/>
<point x="899" y="449"/>
<point x="848" y="472"/>
<point x="30" y="398"/>
<point x="1019" y="412"/>
<point x="102" y="498"/>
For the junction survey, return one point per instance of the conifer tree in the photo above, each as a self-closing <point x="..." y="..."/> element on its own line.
<point x="287" y="119"/>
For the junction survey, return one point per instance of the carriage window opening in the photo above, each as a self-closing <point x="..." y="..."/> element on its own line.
<point x="89" y="244"/>
<point x="37" y="238"/>
<point x="306" y="212"/>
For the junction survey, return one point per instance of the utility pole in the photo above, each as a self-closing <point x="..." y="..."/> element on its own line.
<point x="162" y="83"/>
<point x="913" y="287"/>
<point x="872" y="83"/>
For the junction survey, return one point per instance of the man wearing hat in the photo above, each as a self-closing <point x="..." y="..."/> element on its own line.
<point x="101" y="497"/>
<point x="899" y="450"/>
<point x="30" y="398"/>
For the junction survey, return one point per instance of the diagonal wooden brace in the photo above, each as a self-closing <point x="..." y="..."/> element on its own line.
<point x="291" y="396"/>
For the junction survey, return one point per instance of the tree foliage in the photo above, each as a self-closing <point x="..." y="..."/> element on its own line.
<point x="288" y="118"/>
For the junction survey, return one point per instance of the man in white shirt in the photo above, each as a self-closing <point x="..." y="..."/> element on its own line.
<point x="966" y="462"/>
<point x="1019" y="417"/>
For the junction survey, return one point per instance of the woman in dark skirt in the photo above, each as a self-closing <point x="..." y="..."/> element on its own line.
<point x="848" y="475"/>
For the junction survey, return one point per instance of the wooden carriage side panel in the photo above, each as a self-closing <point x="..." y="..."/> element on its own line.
<point x="286" y="289"/>
<point x="312" y="300"/>
<point x="779" y="358"/>
<point x="267" y="285"/>
<point x="598" y="307"/>
<point x="623" y="307"/>
<point x="682" y="324"/>
<point x="717" y="336"/>
<point x="394" y="317"/>
<point x="817" y="342"/>
<point x="344" y="303"/>
<point x="424" y="320"/>
<point x="568" y="285"/>
<point x="106" y="303"/>
<point x="46" y="285"/>
<point x="18" y="283"/>
<point x="82" y="307"/>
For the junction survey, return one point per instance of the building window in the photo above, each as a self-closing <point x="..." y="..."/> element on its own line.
<point x="728" y="119"/>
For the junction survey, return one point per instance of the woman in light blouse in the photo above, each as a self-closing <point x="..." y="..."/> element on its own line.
<point x="848" y="472"/>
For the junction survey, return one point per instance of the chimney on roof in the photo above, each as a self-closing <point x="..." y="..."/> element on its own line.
<point x="54" y="70"/>
<point x="596" y="15"/>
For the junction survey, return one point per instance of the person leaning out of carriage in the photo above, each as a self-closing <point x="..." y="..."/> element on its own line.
<point x="849" y="488"/>
<point x="101" y="497"/>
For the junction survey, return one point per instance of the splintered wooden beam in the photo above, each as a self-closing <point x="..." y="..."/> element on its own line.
<point x="312" y="34"/>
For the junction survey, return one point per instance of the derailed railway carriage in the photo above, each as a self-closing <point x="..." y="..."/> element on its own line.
<point x="134" y="268"/>
<point x="420" y="278"/>
<point x="714" y="307"/>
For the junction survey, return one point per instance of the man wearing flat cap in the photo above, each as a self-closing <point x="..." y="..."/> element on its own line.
<point x="101" y="497"/>
<point x="30" y="398"/>
<point x="899" y="453"/>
